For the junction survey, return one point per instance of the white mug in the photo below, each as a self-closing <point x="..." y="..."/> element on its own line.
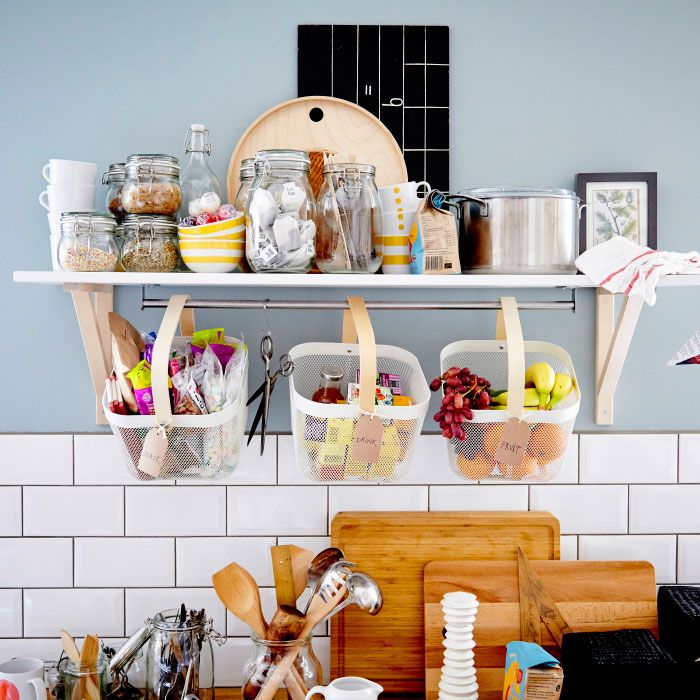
<point x="347" y="688"/>
<point x="70" y="172"/>
<point x="22" y="679"/>
<point x="404" y="195"/>
<point x="54" y="218"/>
<point x="60" y="198"/>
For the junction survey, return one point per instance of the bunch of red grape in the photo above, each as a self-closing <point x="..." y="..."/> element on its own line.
<point x="462" y="392"/>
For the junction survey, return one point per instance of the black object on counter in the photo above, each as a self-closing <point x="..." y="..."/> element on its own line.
<point x="620" y="664"/>
<point x="679" y="622"/>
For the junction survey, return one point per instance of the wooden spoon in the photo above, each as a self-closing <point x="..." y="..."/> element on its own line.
<point x="301" y="558"/>
<point x="70" y="647"/>
<point x="238" y="591"/>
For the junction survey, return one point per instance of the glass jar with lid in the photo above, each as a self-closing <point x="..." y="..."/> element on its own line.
<point x="280" y="227"/>
<point x="150" y="244"/>
<point x="329" y="386"/>
<point x="87" y="242"/>
<point x="151" y="185"/>
<point x="247" y="173"/>
<point x="85" y="682"/>
<point x="349" y="236"/>
<point x="114" y="179"/>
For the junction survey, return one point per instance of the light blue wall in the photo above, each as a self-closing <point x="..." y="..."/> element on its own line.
<point x="540" y="90"/>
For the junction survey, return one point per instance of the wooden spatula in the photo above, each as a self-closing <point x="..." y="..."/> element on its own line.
<point x="301" y="558"/>
<point x="238" y="591"/>
<point x="284" y="575"/>
<point x="87" y="660"/>
<point x="70" y="647"/>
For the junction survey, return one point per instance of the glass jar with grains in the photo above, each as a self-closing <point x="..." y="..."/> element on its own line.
<point x="114" y="179"/>
<point x="150" y="244"/>
<point x="151" y="185"/>
<point x="87" y="242"/>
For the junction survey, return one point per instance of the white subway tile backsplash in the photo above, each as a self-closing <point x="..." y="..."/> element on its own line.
<point x="199" y="557"/>
<point x="568" y="474"/>
<point x="568" y="547"/>
<point x="229" y="660"/>
<point x="628" y="459"/>
<point x="73" y="511"/>
<point x="10" y="511"/>
<point x="277" y="510"/>
<point x="36" y="459"/>
<point x="660" y="550"/>
<point x="10" y="613"/>
<point x="287" y="472"/>
<point x="665" y="509"/>
<point x="583" y="509"/>
<point x="124" y="561"/>
<point x="689" y="458"/>
<point x="689" y="559"/>
<point x="142" y="603"/>
<point x="83" y="610"/>
<point x="99" y="461"/>
<point x="348" y="498"/>
<point x="314" y="544"/>
<point x="29" y="561"/>
<point x="430" y="463"/>
<point x="492" y="497"/>
<point x="175" y="510"/>
<point x="30" y="648"/>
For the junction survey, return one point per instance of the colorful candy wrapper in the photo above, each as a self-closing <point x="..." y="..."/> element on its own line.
<point x="140" y="377"/>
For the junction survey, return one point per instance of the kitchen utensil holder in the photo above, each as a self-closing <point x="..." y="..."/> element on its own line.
<point x="199" y="447"/>
<point x="324" y="433"/>
<point x="503" y="363"/>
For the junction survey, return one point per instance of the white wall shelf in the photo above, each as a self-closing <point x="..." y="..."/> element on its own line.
<point x="92" y="294"/>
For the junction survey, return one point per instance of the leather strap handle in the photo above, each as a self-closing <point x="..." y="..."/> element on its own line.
<point x="356" y="321"/>
<point x="161" y="354"/>
<point x="516" y="357"/>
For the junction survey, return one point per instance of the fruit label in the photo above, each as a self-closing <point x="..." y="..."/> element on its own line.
<point x="368" y="439"/>
<point x="513" y="445"/>
<point x="153" y="453"/>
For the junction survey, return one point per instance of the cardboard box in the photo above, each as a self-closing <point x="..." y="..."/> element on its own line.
<point x="531" y="673"/>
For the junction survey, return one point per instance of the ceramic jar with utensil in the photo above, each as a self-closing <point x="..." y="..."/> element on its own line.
<point x="349" y="236"/>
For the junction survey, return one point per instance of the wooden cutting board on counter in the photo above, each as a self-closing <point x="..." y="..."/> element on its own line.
<point x="394" y="548"/>
<point x="592" y="597"/>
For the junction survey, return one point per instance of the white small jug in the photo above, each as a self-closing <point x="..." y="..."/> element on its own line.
<point x="348" y="688"/>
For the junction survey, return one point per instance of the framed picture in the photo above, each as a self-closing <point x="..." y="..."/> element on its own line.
<point x="617" y="204"/>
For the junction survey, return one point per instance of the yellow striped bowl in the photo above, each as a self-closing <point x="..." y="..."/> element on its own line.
<point x="212" y="254"/>
<point x="217" y="228"/>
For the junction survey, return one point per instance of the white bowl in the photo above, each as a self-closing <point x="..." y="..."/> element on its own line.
<point x="458" y="656"/>
<point x="458" y="690"/>
<point x="459" y="672"/>
<point x="459" y="598"/>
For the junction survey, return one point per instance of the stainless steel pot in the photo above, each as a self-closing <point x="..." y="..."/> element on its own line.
<point x="517" y="230"/>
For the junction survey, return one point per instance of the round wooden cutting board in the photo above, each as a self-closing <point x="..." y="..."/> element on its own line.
<point x="318" y="124"/>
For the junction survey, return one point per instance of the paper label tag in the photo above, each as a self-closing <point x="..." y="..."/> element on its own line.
<point x="514" y="438"/>
<point x="268" y="254"/>
<point x="153" y="453"/>
<point x="367" y="443"/>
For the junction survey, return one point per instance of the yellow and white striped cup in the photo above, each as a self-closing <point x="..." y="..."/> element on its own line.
<point x="396" y="226"/>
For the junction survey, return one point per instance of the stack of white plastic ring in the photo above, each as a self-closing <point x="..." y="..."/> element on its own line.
<point x="458" y="678"/>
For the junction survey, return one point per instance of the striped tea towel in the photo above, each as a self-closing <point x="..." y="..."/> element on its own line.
<point x="623" y="267"/>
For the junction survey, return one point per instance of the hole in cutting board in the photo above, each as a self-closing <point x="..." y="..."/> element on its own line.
<point x="316" y="114"/>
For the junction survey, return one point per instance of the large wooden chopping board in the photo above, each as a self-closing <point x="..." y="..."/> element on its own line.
<point x="394" y="548"/>
<point x="592" y="596"/>
<point x="343" y="127"/>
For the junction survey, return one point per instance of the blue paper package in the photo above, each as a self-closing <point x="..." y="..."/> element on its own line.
<point x="531" y="673"/>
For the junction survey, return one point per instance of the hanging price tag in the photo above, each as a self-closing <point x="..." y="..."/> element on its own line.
<point x="513" y="445"/>
<point x="368" y="439"/>
<point x="153" y="452"/>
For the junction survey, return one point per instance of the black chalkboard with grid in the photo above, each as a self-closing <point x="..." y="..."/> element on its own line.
<point x="398" y="73"/>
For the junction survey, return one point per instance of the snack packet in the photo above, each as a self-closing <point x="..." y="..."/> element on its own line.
<point x="531" y="673"/>
<point x="140" y="377"/>
<point x="223" y="351"/>
<point x="188" y="400"/>
<point x="234" y="374"/>
<point x="148" y="340"/>
<point x="127" y="346"/>
<point x="433" y="239"/>
<point x="213" y="384"/>
<point x="207" y="336"/>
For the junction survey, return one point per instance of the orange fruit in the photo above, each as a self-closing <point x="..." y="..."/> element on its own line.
<point x="478" y="467"/>
<point x="492" y="437"/>
<point x="547" y="443"/>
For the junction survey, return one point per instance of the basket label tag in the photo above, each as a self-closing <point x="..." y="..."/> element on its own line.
<point x="513" y="445"/>
<point x="153" y="452"/>
<point x="367" y="443"/>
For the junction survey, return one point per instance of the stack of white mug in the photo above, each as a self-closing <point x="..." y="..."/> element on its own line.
<point x="458" y="676"/>
<point x="399" y="204"/>
<point x="71" y="188"/>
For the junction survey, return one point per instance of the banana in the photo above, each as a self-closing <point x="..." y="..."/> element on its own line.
<point x="542" y="375"/>
<point x="563" y="386"/>
<point x="532" y="398"/>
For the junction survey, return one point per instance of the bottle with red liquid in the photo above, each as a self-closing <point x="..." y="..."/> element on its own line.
<point x="329" y="388"/>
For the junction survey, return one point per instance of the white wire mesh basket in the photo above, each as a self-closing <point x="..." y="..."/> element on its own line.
<point x="324" y="433"/>
<point x="550" y="430"/>
<point x="198" y="447"/>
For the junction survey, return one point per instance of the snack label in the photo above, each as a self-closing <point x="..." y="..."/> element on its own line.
<point x="153" y="452"/>
<point x="367" y="443"/>
<point x="513" y="445"/>
<point x="433" y="240"/>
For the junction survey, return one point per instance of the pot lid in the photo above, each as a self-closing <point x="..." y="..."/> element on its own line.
<point x="492" y="192"/>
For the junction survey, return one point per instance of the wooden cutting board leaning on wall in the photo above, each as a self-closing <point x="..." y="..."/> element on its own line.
<point x="394" y="548"/>
<point x="592" y="596"/>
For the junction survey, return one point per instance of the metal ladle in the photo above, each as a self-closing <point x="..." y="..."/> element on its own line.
<point x="363" y="591"/>
<point x="324" y="562"/>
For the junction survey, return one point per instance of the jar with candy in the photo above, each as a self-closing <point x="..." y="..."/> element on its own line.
<point x="151" y="185"/>
<point x="247" y="173"/>
<point x="349" y="237"/>
<point x="150" y="244"/>
<point x="87" y="242"/>
<point x="201" y="189"/>
<point x="114" y="179"/>
<point x="329" y="387"/>
<point x="280" y="228"/>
